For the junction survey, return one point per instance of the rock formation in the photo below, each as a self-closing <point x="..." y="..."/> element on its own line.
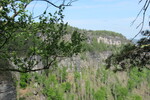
<point x="7" y="87"/>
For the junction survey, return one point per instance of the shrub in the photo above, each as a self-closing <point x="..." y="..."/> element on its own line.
<point x="24" y="80"/>
<point x="66" y="86"/>
<point x="135" y="78"/>
<point x="119" y="92"/>
<point x="101" y="94"/>
<point x="136" y="97"/>
<point x="53" y="93"/>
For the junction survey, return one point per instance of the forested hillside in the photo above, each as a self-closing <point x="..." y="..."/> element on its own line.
<point x="85" y="77"/>
<point x="44" y="58"/>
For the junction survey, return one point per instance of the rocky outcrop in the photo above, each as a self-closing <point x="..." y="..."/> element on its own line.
<point x="110" y="41"/>
<point x="94" y="58"/>
<point x="90" y="59"/>
<point x="7" y="87"/>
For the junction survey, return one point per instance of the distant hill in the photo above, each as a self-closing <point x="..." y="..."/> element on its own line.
<point x="84" y="77"/>
<point x="99" y="45"/>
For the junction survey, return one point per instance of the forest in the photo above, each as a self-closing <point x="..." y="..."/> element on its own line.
<point x="44" y="58"/>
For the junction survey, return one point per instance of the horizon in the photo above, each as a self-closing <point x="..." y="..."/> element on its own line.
<point x="110" y="15"/>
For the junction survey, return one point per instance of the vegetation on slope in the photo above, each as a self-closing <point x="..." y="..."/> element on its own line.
<point x="96" y="32"/>
<point x="23" y="38"/>
<point x="94" y="46"/>
<point x="90" y="84"/>
<point x="131" y="55"/>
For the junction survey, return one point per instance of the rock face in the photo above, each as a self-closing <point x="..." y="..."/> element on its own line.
<point x="94" y="58"/>
<point x="110" y="41"/>
<point x="7" y="88"/>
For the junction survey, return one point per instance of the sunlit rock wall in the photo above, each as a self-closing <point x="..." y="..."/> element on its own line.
<point x="110" y="41"/>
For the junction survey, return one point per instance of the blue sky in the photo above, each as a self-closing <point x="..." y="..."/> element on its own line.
<point x="113" y="15"/>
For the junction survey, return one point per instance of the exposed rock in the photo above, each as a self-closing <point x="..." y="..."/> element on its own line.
<point x="93" y="59"/>
<point x="110" y="41"/>
<point x="7" y="88"/>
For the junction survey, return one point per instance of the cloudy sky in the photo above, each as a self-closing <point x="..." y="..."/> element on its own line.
<point x="113" y="15"/>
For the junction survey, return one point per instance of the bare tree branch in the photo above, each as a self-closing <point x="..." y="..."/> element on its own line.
<point x="58" y="6"/>
<point x="28" y="68"/>
<point x="144" y="10"/>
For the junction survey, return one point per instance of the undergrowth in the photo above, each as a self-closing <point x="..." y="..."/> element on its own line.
<point x="92" y="84"/>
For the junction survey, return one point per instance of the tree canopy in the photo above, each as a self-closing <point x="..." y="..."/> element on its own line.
<point x="23" y="40"/>
<point x="132" y="55"/>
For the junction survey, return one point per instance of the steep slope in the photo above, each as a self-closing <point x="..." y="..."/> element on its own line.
<point x="98" y="46"/>
<point x="84" y="77"/>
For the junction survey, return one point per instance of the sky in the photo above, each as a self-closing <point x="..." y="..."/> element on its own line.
<point x="112" y="15"/>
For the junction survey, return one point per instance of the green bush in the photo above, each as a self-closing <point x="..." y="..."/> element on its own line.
<point x="24" y="79"/>
<point x="51" y="88"/>
<point x="66" y="86"/>
<point x="95" y="86"/>
<point x="87" y="86"/>
<point x="64" y="73"/>
<point x="53" y="93"/>
<point x="101" y="94"/>
<point x="136" y="97"/>
<point x="135" y="78"/>
<point x="119" y="92"/>
<point x="107" y="33"/>
<point x="94" y="46"/>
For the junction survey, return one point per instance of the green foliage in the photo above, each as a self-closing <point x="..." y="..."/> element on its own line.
<point x="40" y="79"/>
<point x="53" y="93"/>
<point x="147" y="76"/>
<point x="24" y="80"/>
<point x="66" y="86"/>
<point x="132" y="55"/>
<point x="136" y="78"/>
<point x="45" y="38"/>
<point x="103" y="33"/>
<point x="87" y="85"/>
<point x="119" y="92"/>
<point x="97" y="47"/>
<point x="102" y="74"/>
<point x="136" y="97"/>
<point x="118" y="57"/>
<point x="51" y="89"/>
<point x="101" y="94"/>
<point x="83" y="55"/>
<point x="76" y="75"/>
<point x="64" y="73"/>
<point x="22" y="98"/>
<point x="92" y="84"/>
<point x="108" y="33"/>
